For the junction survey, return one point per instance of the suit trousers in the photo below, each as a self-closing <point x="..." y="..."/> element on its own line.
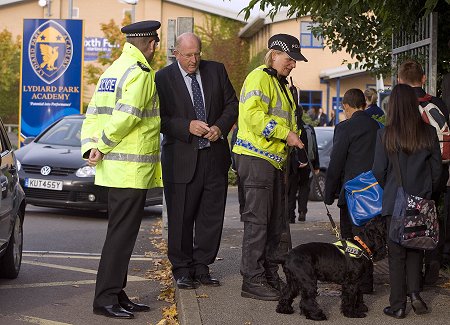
<point x="125" y="212"/>
<point x="195" y="217"/>
<point x="263" y="196"/>
<point x="405" y="267"/>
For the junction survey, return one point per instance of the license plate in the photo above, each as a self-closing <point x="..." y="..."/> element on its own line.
<point x="43" y="183"/>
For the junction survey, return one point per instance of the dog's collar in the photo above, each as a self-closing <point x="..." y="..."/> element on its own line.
<point x="363" y="245"/>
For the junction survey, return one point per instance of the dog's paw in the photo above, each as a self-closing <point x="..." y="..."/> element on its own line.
<point x="315" y="316"/>
<point x="354" y="314"/>
<point x="284" y="309"/>
<point x="362" y="308"/>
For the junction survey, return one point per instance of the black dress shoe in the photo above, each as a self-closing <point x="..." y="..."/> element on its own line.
<point x="130" y="306"/>
<point x="418" y="305"/>
<point x="400" y="313"/>
<point x="207" y="280"/>
<point x="186" y="282"/>
<point x="115" y="311"/>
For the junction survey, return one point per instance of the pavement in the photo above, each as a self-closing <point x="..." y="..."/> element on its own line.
<point x="224" y="304"/>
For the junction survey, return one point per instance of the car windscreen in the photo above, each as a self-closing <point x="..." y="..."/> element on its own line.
<point x="66" y="132"/>
<point x="324" y="137"/>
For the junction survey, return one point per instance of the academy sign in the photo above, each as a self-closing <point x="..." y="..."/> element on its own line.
<point x="51" y="73"/>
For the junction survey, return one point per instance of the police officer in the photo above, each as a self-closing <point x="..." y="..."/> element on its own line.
<point x="266" y="127"/>
<point x="120" y="136"/>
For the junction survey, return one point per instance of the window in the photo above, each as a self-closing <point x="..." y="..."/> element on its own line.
<point x="310" y="99"/>
<point x="334" y="103"/>
<point x="307" y="39"/>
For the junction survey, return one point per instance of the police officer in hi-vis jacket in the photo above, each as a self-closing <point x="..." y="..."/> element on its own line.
<point x="120" y="136"/>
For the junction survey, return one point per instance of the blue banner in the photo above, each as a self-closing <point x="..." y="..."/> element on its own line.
<point x="95" y="47"/>
<point x="51" y="75"/>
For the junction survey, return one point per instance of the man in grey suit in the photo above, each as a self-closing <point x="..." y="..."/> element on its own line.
<point x="198" y="108"/>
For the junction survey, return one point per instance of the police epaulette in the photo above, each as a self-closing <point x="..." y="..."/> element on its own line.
<point x="143" y="66"/>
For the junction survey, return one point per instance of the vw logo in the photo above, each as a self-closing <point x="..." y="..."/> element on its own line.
<point x="46" y="170"/>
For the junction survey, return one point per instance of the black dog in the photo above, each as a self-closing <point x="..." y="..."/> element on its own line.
<point x="306" y="264"/>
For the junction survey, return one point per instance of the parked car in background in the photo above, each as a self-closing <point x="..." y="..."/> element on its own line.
<point x="324" y="137"/>
<point x="12" y="210"/>
<point x="53" y="174"/>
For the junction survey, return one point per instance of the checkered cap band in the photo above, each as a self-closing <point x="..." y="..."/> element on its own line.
<point x="280" y="44"/>
<point x="152" y="33"/>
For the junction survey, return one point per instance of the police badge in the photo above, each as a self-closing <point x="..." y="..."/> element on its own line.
<point x="50" y="51"/>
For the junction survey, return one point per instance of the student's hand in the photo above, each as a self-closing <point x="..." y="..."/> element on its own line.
<point x="198" y="128"/>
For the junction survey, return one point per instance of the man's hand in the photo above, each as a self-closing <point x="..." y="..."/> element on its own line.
<point x="198" y="128"/>
<point x="94" y="157"/>
<point x="213" y="134"/>
<point x="294" y="141"/>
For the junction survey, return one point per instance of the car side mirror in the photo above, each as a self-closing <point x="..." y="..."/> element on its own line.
<point x="28" y="140"/>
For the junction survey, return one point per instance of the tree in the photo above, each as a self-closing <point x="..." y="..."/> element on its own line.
<point x="10" y="76"/>
<point x="220" y="41"/>
<point x="363" y="28"/>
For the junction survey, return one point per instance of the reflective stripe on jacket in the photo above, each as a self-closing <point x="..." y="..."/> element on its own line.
<point x="122" y="121"/>
<point x="265" y="118"/>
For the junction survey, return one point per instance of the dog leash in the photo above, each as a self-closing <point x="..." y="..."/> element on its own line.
<point x="316" y="181"/>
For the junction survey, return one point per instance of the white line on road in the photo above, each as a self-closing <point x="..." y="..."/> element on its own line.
<point x="81" y="255"/>
<point x="62" y="283"/>
<point x="40" y="321"/>
<point x="86" y="257"/>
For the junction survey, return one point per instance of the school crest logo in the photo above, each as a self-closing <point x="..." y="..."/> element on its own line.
<point x="50" y="51"/>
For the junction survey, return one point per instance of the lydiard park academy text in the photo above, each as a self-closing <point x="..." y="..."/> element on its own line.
<point x="51" y="92"/>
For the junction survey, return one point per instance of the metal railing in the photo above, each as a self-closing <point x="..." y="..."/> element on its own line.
<point x="10" y="127"/>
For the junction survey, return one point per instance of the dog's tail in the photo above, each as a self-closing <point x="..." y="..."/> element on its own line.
<point x="278" y="259"/>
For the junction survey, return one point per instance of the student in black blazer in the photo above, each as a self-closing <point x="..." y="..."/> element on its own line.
<point x="198" y="108"/>
<point x="352" y="154"/>
<point x="419" y="156"/>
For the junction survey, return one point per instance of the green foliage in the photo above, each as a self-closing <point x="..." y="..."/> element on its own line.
<point x="220" y="42"/>
<point x="232" y="177"/>
<point x="363" y="28"/>
<point x="256" y="61"/>
<point x="10" y="76"/>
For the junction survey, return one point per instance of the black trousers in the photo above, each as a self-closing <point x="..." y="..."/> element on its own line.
<point x="405" y="267"/>
<point x="125" y="212"/>
<point x="195" y="217"/>
<point x="263" y="201"/>
<point x="345" y="223"/>
<point x="299" y="186"/>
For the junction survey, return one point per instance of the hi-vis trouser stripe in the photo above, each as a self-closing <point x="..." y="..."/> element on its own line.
<point x="132" y="157"/>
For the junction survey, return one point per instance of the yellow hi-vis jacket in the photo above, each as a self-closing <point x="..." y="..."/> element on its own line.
<point x="123" y="122"/>
<point x="265" y="118"/>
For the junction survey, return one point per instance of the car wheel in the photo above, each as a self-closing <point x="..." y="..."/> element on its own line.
<point x="12" y="259"/>
<point x="314" y="193"/>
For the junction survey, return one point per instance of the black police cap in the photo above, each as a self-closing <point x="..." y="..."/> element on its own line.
<point x="287" y="43"/>
<point x="142" y="29"/>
